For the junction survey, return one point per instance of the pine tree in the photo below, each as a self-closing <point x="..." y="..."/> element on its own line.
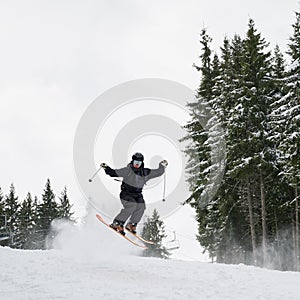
<point x="3" y="230"/>
<point x="221" y="231"/>
<point x="279" y="91"/>
<point x="36" y="233"/>
<point x="47" y="211"/>
<point x="11" y="211"/>
<point x="202" y="130"/>
<point x="204" y="134"/>
<point x="206" y="85"/>
<point x="281" y="193"/>
<point x="65" y="206"/>
<point x="2" y="208"/>
<point x="250" y="153"/>
<point x="291" y="144"/>
<point x="25" y="223"/>
<point x="289" y="112"/>
<point x="154" y="230"/>
<point x="294" y="45"/>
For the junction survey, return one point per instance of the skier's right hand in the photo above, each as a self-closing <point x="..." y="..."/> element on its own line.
<point x="164" y="163"/>
<point x="103" y="165"/>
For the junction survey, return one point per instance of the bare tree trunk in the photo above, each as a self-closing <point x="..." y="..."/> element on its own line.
<point x="294" y="243"/>
<point x="297" y="229"/>
<point x="252" y="227"/>
<point x="263" y="217"/>
<point x="277" y="249"/>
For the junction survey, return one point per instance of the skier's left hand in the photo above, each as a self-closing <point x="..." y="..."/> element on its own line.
<point x="164" y="163"/>
<point x="103" y="165"/>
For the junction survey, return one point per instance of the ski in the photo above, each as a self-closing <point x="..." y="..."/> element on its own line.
<point x="124" y="236"/>
<point x="139" y="237"/>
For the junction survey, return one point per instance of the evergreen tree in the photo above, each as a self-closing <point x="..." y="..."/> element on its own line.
<point x="202" y="129"/>
<point x="26" y="224"/>
<point x="288" y="112"/>
<point x="3" y="230"/>
<point x="290" y="145"/>
<point x="154" y="230"/>
<point x="204" y="135"/>
<point x="250" y="155"/>
<point x="294" y="45"/>
<point x="65" y="206"/>
<point x="11" y="211"/>
<point x="207" y="81"/>
<point x="278" y="106"/>
<point x="258" y="100"/>
<point x="280" y="227"/>
<point x="2" y="208"/>
<point x="47" y="211"/>
<point x="36" y="234"/>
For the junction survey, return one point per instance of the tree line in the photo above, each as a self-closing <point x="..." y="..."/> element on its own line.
<point x="27" y="224"/>
<point x="254" y="93"/>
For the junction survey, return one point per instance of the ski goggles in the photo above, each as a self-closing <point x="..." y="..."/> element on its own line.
<point x="137" y="163"/>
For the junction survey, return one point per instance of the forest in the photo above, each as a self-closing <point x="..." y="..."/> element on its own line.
<point x="27" y="224"/>
<point x="254" y="92"/>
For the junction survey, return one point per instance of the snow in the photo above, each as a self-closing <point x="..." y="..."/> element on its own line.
<point x="55" y="275"/>
<point x="92" y="263"/>
<point x="294" y="65"/>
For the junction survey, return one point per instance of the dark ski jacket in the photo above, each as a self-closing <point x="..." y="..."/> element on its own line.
<point x="134" y="179"/>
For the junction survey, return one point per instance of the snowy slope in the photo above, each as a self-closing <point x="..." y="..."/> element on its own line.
<point x="53" y="275"/>
<point x="98" y="265"/>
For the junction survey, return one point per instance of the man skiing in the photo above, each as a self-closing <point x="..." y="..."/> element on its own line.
<point x="135" y="176"/>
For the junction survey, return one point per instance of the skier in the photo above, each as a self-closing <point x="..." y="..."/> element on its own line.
<point x="135" y="176"/>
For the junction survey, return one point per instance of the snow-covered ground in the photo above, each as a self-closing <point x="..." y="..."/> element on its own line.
<point x="96" y="264"/>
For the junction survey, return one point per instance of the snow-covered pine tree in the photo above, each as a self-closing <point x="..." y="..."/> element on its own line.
<point x="63" y="213"/>
<point x="25" y="223"/>
<point x="205" y="134"/>
<point x="278" y="106"/>
<point x="65" y="207"/>
<point x="220" y="231"/>
<point x="250" y="154"/>
<point x="291" y="144"/>
<point x="198" y="151"/>
<point x="34" y="242"/>
<point x="154" y="230"/>
<point x="11" y="211"/>
<point x="280" y="212"/>
<point x="3" y="231"/>
<point x="290" y="112"/>
<point x="47" y="211"/>
<point x="285" y="121"/>
<point x="2" y="207"/>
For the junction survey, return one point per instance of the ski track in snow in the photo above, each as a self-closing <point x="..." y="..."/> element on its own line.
<point x="95" y="264"/>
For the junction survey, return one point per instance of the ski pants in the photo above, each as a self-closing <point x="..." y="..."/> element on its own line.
<point x="133" y="208"/>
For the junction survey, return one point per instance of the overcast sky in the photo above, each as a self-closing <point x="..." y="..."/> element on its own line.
<point x="56" y="57"/>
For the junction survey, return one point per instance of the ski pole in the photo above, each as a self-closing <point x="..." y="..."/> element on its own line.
<point x="164" y="192"/>
<point x="91" y="179"/>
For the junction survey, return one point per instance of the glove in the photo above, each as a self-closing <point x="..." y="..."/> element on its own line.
<point x="103" y="165"/>
<point x="164" y="163"/>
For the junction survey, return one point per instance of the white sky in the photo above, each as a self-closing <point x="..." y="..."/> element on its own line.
<point x="56" y="57"/>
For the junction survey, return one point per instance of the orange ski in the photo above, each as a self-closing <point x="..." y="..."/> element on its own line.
<point x="124" y="236"/>
<point x="139" y="237"/>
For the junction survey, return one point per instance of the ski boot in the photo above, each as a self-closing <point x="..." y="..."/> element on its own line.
<point x="131" y="227"/>
<point x="117" y="227"/>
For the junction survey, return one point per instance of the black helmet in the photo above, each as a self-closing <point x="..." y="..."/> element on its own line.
<point x="138" y="156"/>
